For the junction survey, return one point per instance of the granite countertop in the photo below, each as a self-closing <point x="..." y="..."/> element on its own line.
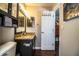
<point x="26" y="36"/>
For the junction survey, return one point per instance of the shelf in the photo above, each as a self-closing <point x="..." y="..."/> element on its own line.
<point x="6" y="14"/>
<point x="8" y="26"/>
<point x="14" y="20"/>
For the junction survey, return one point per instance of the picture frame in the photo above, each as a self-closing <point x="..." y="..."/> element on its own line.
<point x="31" y="22"/>
<point x="71" y="11"/>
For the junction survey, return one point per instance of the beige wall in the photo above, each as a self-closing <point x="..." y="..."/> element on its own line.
<point x="20" y="29"/>
<point x="6" y="34"/>
<point x="35" y="12"/>
<point x="69" y="36"/>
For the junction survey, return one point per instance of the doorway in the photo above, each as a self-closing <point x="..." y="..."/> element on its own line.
<point x="48" y="30"/>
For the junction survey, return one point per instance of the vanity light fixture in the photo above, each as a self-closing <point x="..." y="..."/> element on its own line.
<point x="24" y="11"/>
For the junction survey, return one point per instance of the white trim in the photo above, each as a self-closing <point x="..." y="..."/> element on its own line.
<point x="37" y="48"/>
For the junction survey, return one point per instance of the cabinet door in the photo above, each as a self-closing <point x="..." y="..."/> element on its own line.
<point x="7" y="21"/>
<point x="26" y="48"/>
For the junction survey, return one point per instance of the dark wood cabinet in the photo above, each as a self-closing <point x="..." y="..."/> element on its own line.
<point x="13" y="9"/>
<point x="6" y="21"/>
<point x="6" y="11"/>
<point x="25" y="47"/>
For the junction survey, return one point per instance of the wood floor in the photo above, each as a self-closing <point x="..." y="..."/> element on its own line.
<point x="44" y="53"/>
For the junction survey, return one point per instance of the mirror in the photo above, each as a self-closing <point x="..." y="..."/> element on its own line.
<point x="31" y="22"/>
<point x="21" y="19"/>
<point x="4" y="7"/>
<point x="14" y="9"/>
<point x="21" y="22"/>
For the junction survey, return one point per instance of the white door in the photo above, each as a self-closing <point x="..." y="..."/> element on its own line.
<point x="48" y="31"/>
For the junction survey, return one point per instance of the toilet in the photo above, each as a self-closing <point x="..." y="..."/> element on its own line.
<point x="8" y="49"/>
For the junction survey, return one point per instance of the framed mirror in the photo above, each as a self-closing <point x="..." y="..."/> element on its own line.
<point x="21" y="19"/>
<point x="31" y="22"/>
<point x="4" y="7"/>
<point x="14" y="9"/>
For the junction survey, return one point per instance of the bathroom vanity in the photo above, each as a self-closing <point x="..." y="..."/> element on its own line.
<point x="25" y="44"/>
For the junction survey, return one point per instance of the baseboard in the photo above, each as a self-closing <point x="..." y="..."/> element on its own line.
<point x="40" y="48"/>
<point x="37" y="48"/>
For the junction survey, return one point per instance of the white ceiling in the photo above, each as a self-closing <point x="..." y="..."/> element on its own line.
<point x="44" y="5"/>
<point x="40" y="4"/>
